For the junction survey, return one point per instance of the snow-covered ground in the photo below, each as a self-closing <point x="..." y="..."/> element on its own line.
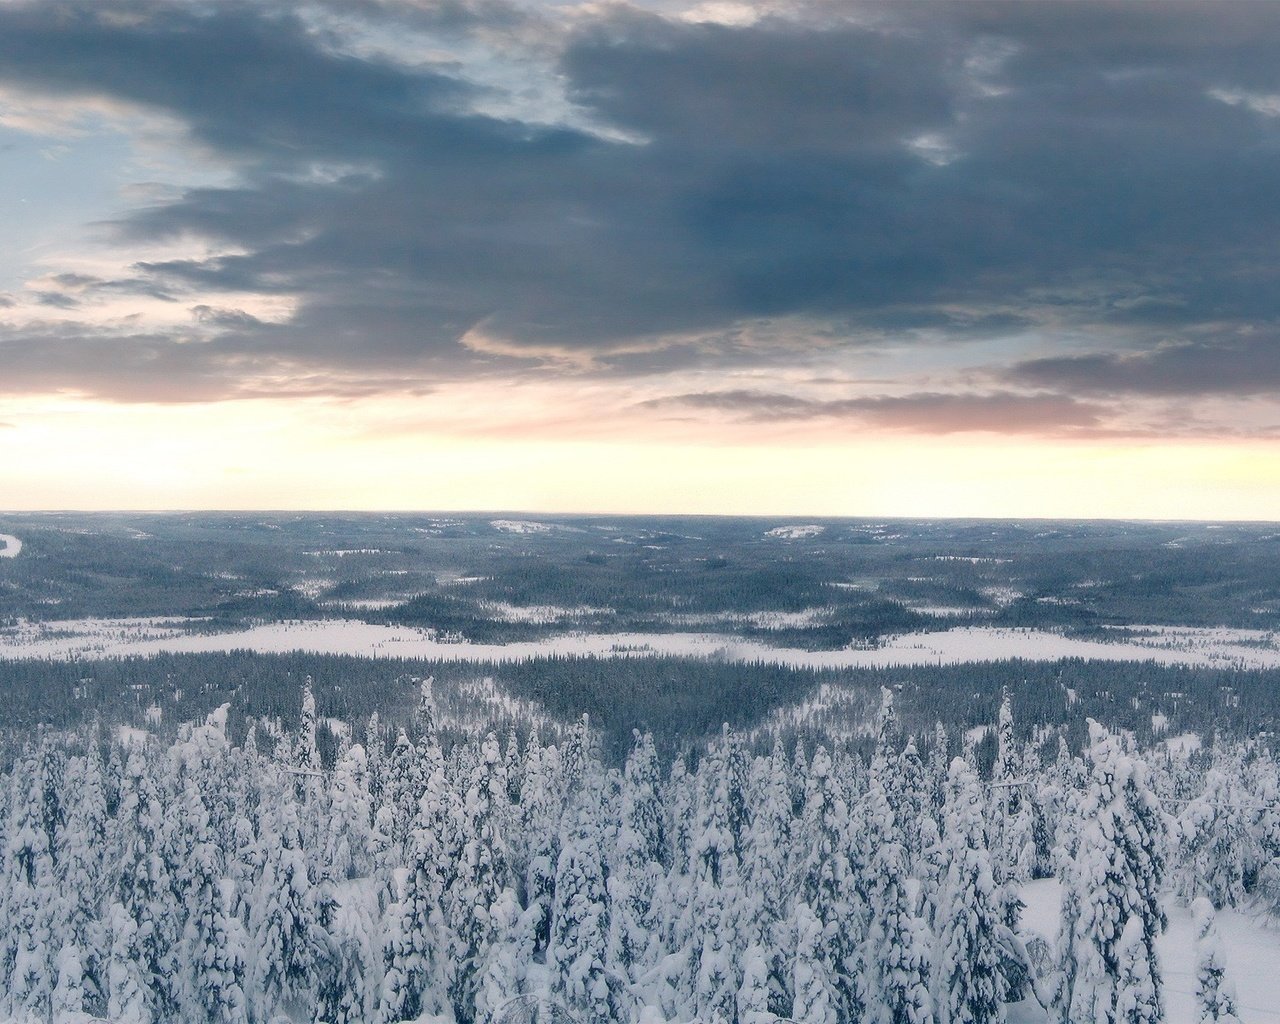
<point x="82" y="638"/>
<point x="939" y="611"/>
<point x="9" y="546"/>
<point x="520" y="526"/>
<point x="539" y="613"/>
<point x="1252" y="958"/>
<point x="795" y="532"/>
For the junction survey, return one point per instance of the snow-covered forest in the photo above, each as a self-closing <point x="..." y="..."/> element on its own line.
<point x="200" y="881"/>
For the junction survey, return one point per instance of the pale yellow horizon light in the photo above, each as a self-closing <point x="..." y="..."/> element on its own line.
<point x="272" y="455"/>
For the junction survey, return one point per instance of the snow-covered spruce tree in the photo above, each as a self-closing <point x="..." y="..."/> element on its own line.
<point x="1136" y="999"/>
<point x="1263" y="794"/>
<point x="763" y="910"/>
<point x="931" y="869"/>
<point x="123" y="981"/>
<point x="283" y="931"/>
<point x="815" y="997"/>
<point x="1009" y="837"/>
<point x="308" y="781"/>
<point x="211" y="953"/>
<point x="145" y="886"/>
<point x="825" y="882"/>
<point x="715" y="871"/>
<point x="540" y="836"/>
<point x="895" y="958"/>
<point x="911" y="802"/>
<point x="402" y="786"/>
<point x="1215" y="992"/>
<point x="347" y="983"/>
<point x="753" y="994"/>
<point x="27" y="966"/>
<point x="513" y="766"/>
<point x="967" y="982"/>
<point x="82" y="868"/>
<point x="347" y="838"/>
<point x="68" y="993"/>
<point x="1216" y="847"/>
<point x="306" y="752"/>
<point x="635" y="878"/>
<point x="375" y="747"/>
<point x="888" y="731"/>
<point x="482" y="873"/>
<point x="1117" y="873"/>
<point x="939" y="766"/>
<point x="799" y="777"/>
<point x="579" y="919"/>
<point x="681" y="799"/>
<point x="426" y="717"/>
<point x="418" y="969"/>
<point x="507" y="960"/>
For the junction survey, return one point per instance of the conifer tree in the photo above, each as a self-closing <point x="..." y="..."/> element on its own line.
<point x="967" y="981"/>
<point x="1117" y="873"/>
<point x="579" y="924"/>
<point x="636" y="876"/>
<point x="815" y="998"/>
<point x="1215" y="992"/>
<point x="1136" y="999"/>
<point x="825" y="880"/>
<point x="895" y="959"/>
<point x="482" y="873"/>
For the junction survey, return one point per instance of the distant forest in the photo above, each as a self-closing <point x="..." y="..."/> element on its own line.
<point x="682" y="701"/>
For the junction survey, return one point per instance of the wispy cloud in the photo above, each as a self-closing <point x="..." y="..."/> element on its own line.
<point x="921" y="412"/>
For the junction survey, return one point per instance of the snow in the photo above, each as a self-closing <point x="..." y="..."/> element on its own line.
<point x="1159" y="723"/>
<point x="520" y="526"/>
<point x="938" y="611"/>
<point x="367" y="604"/>
<point x="795" y="532"/>
<point x="86" y="638"/>
<point x="1001" y="595"/>
<point x="132" y="737"/>
<point x="539" y="613"/>
<point x="806" y="618"/>
<point x="1252" y="953"/>
<point x="9" y="546"/>
<point x="1181" y="746"/>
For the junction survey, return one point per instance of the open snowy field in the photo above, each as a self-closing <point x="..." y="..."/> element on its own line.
<point x="1252" y="958"/>
<point x="9" y="546"/>
<point x="81" y="638"/>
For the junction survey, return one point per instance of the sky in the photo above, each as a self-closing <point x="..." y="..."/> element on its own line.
<point x="772" y="257"/>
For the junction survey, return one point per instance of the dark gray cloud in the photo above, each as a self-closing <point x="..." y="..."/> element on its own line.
<point x="970" y="170"/>
<point x="925" y="412"/>
<point x="1248" y="365"/>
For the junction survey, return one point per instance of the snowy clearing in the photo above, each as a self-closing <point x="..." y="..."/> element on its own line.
<point x="89" y="638"/>
<point x="540" y="614"/>
<point x="1252" y="953"/>
<point x="1184" y="745"/>
<point x="9" y="546"/>
<point x="938" y="611"/>
<point x="795" y="532"/>
<point x="520" y="526"/>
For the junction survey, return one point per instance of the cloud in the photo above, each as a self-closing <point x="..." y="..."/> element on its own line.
<point x="921" y="412"/>
<point x="1247" y="365"/>
<point x="957" y="171"/>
